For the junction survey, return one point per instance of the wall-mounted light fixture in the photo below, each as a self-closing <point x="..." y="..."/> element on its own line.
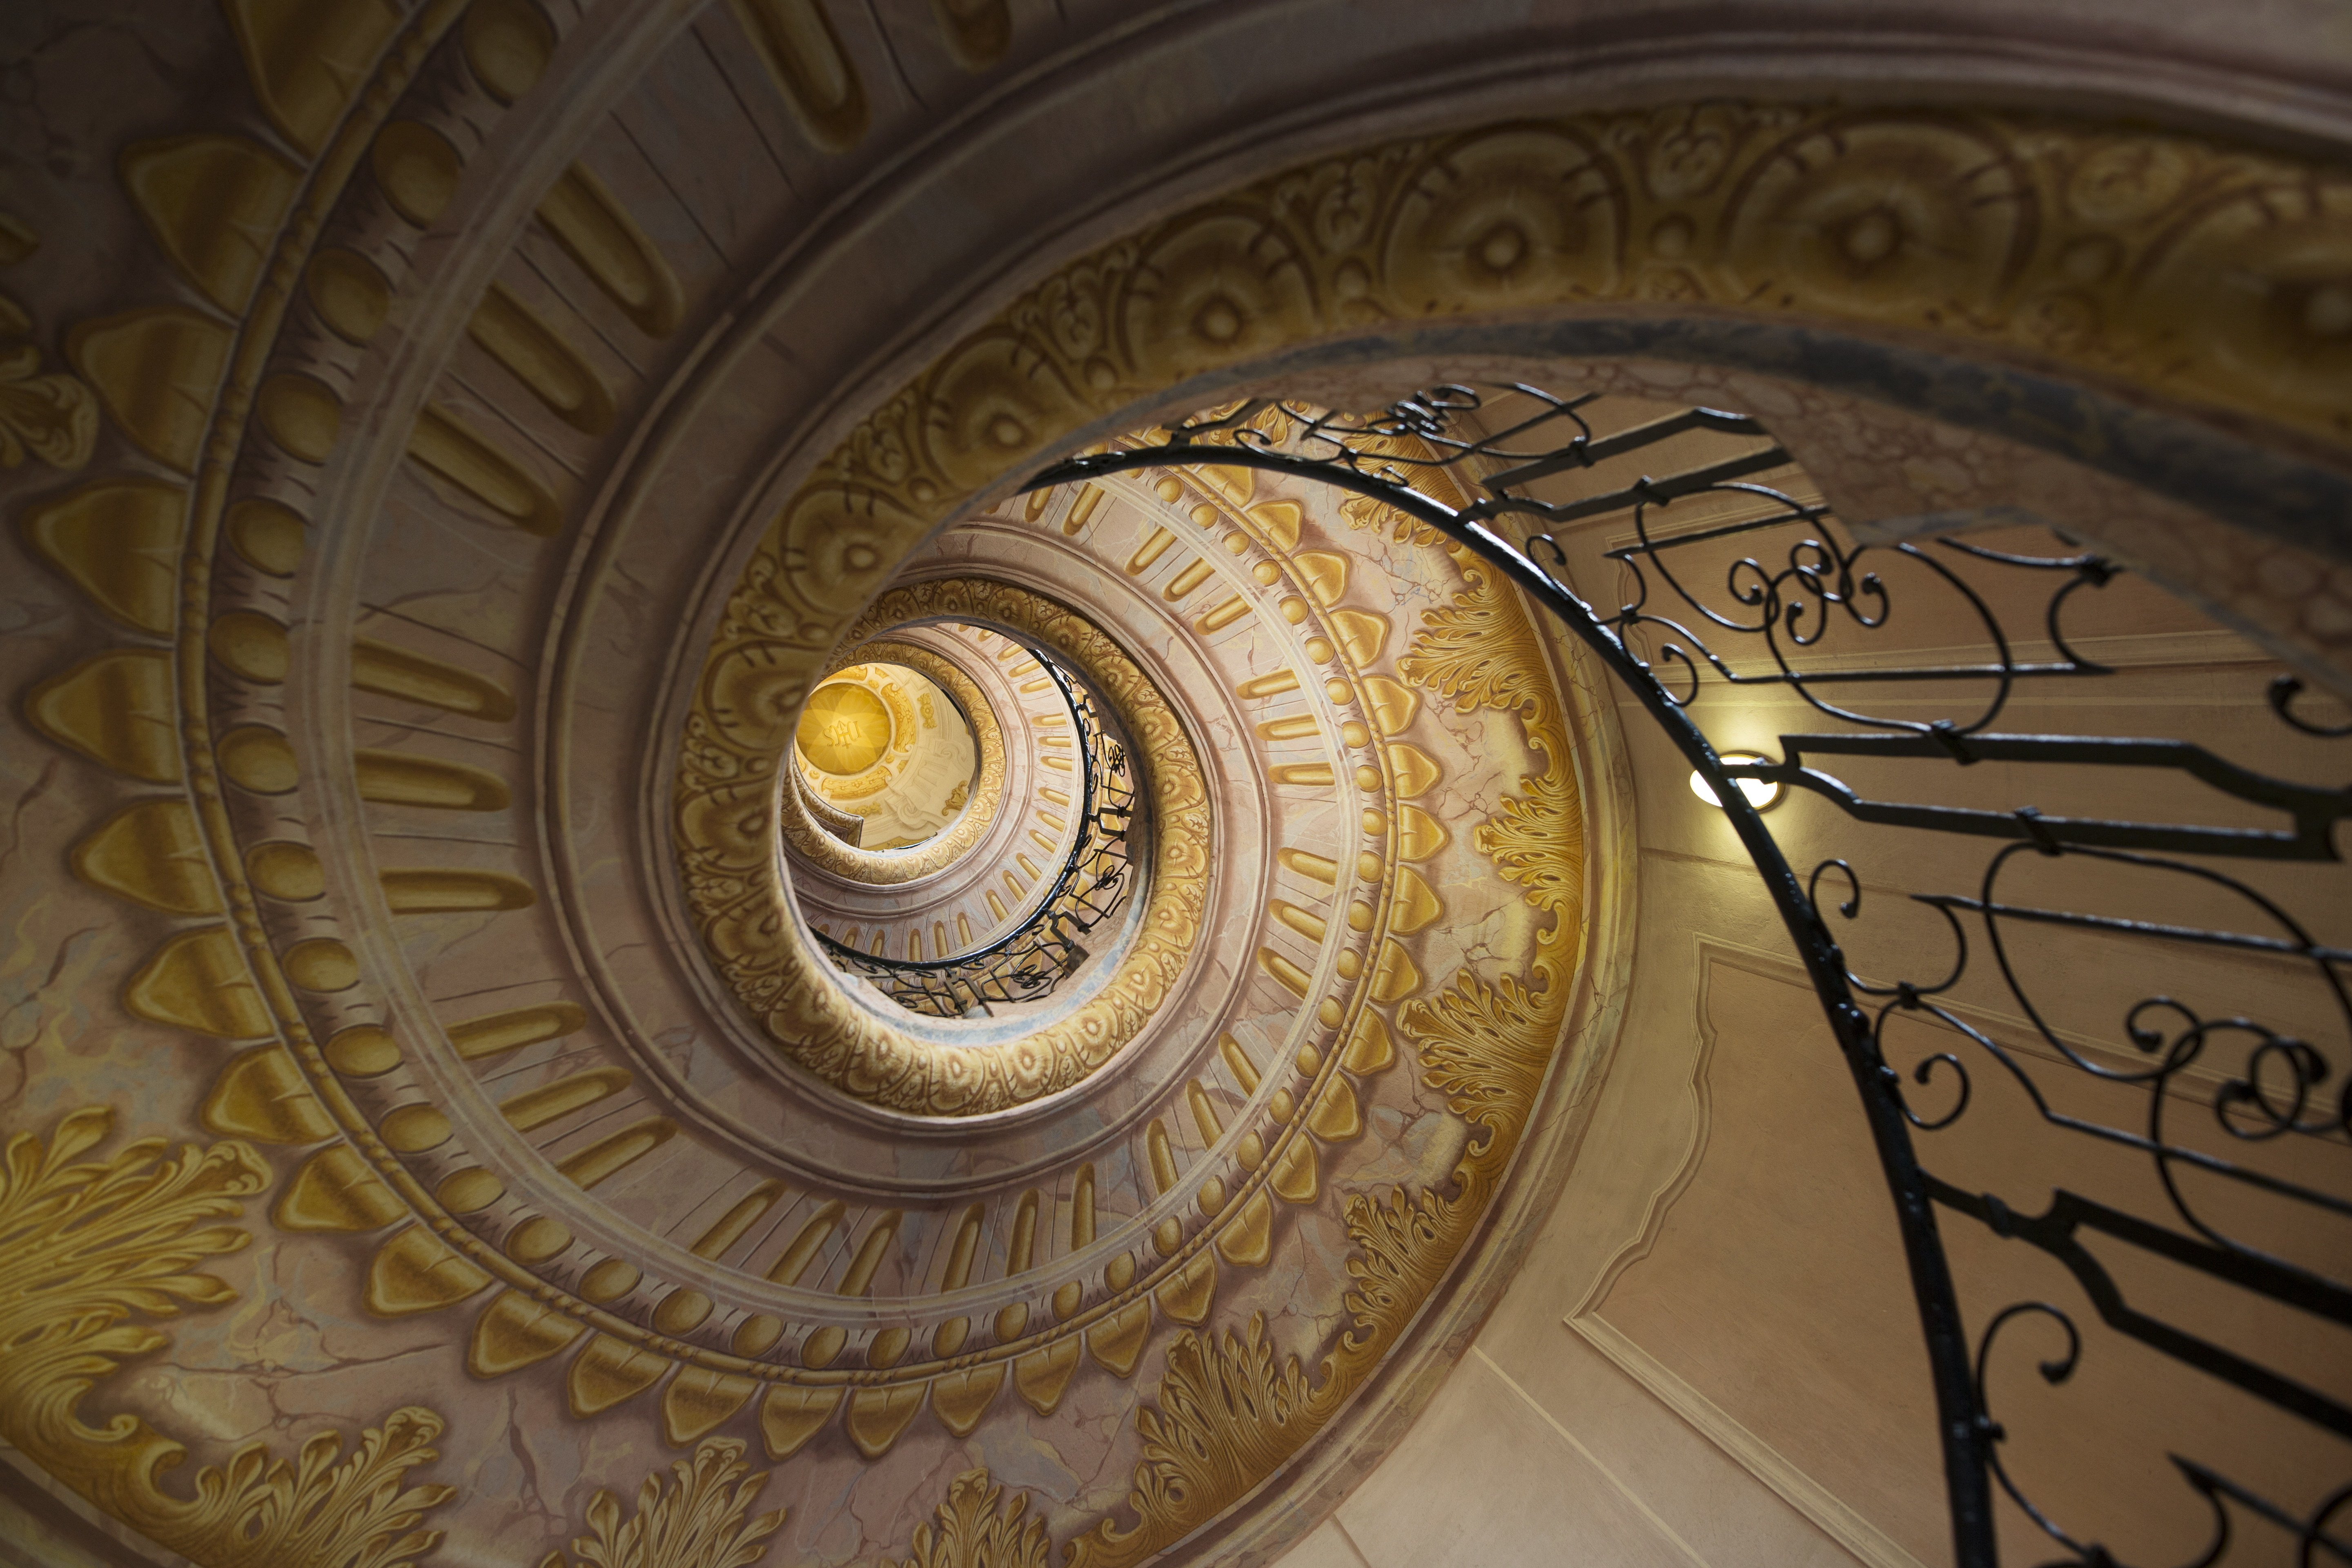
<point x="1762" y="794"/>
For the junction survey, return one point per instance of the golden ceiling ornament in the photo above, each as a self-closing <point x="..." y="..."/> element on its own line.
<point x="844" y="729"/>
<point x="888" y="764"/>
<point x="701" y="1518"/>
<point x="808" y="837"/>
<point x="973" y="1533"/>
<point x="94" y="1243"/>
<point x="724" y="816"/>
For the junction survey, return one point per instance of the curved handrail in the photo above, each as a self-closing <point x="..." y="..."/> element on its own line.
<point x="1774" y="610"/>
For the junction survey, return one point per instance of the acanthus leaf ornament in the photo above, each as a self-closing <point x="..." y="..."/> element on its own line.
<point x="700" y="1517"/>
<point x="1229" y="1412"/>
<point x="90" y="1244"/>
<point x="972" y="1532"/>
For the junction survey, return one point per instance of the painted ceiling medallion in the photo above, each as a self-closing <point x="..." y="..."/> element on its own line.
<point x="844" y="729"/>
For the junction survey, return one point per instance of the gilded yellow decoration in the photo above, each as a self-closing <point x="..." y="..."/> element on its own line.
<point x="887" y="760"/>
<point x="307" y="57"/>
<point x="412" y="676"/>
<point x="613" y="250"/>
<point x="213" y="203"/>
<point x="507" y="43"/>
<point x="52" y="417"/>
<point x="1227" y="1415"/>
<point x="150" y="853"/>
<point x="91" y="1245"/>
<point x="455" y="451"/>
<point x="700" y="1519"/>
<point x="976" y="31"/>
<point x="974" y="1532"/>
<point x="116" y="708"/>
<point x="88" y="1245"/>
<point x="844" y="729"/>
<point x="157" y="372"/>
<point x="795" y="40"/>
<point x="541" y="358"/>
<point x="1796" y="215"/>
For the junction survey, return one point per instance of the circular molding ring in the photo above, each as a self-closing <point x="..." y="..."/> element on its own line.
<point x="726" y="809"/>
<point x="808" y="839"/>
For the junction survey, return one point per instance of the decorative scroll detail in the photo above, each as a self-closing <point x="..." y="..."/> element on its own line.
<point x="727" y="796"/>
<point x="974" y="1535"/>
<point x="52" y="417"/>
<point x="90" y="1244"/>
<point x="701" y="1519"/>
<point x="1089" y="887"/>
<point x="1228" y="1414"/>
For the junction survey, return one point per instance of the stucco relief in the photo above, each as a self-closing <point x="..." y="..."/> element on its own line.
<point x="241" y="939"/>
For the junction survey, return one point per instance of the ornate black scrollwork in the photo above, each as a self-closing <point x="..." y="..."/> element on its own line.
<point x="2232" y="1111"/>
<point x="1093" y="881"/>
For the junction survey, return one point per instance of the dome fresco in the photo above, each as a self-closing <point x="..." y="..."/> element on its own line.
<point x="843" y="730"/>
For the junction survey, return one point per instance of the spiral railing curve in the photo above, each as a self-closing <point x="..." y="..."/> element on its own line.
<point x="2262" y="1089"/>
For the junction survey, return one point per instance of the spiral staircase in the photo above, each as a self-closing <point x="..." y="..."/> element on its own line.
<point x="993" y="783"/>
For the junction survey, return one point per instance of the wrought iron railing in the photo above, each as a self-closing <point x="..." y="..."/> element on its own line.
<point x="1093" y="881"/>
<point x="2261" y="1089"/>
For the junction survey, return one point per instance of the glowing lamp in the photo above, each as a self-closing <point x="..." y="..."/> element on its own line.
<point x="1762" y="794"/>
